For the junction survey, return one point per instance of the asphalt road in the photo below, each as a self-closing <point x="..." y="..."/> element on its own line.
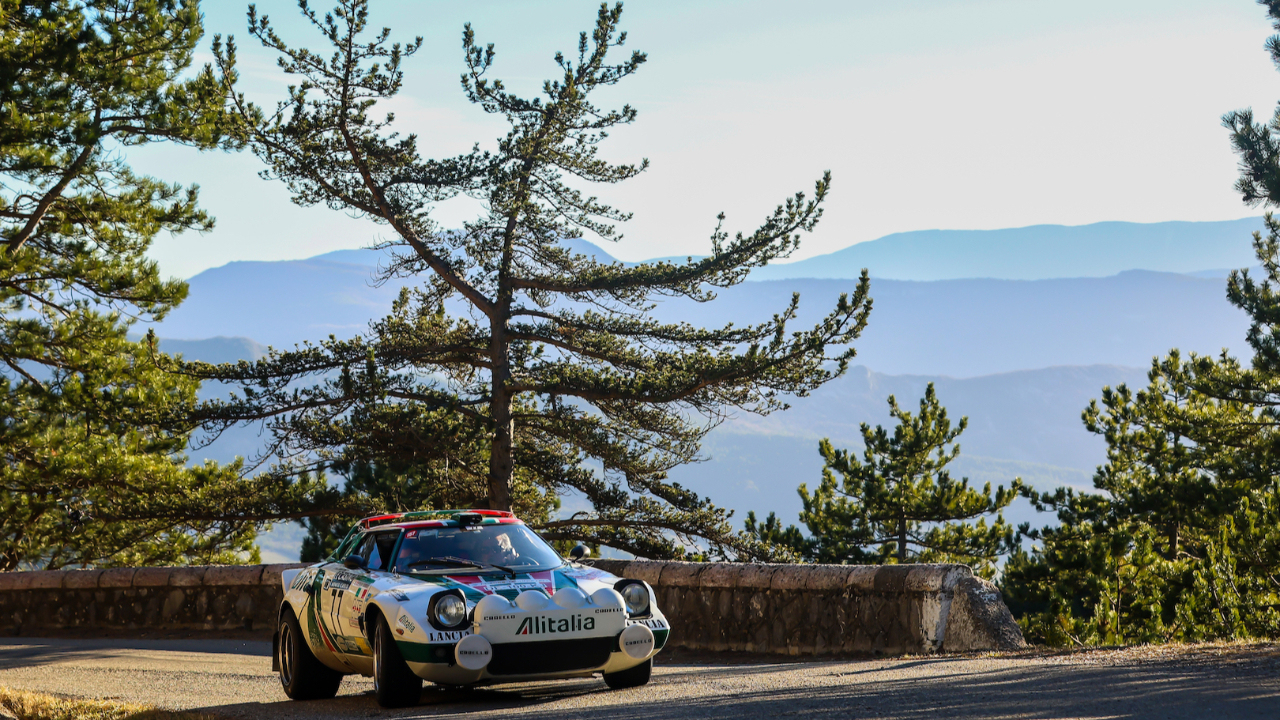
<point x="234" y="679"/>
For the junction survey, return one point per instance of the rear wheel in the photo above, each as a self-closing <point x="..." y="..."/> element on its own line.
<point x="302" y="674"/>
<point x="394" y="683"/>
<point x="631" y="677"/>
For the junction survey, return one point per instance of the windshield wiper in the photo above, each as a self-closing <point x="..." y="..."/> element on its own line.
<point x="459" y="562"/>
<point x="447" y="560"/>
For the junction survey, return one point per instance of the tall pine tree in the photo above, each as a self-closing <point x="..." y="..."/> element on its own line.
<point x="515" y="361"/>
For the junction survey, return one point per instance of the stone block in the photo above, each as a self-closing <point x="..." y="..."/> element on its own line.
<point x="646" y="570"/>
<point x="861" y="579"/>
<point x="232" y="575"/>
<point x="931" y="578"/>
<point x="790" y="578"/>
<point x="186" y="576"/>
<point x="681" y="574"/>
<point x="721" y="575"/>
<point x="757" y="576"/>
<point x="116" y="578"/>
<point x="891" y="579"/>
<point x="13" y="581"/>
<point x="151" y="577"/>
<point x="826" y="578"/>
<point x="46" y="580"/>
<point x="979" y="619"/>
<point x="81" y="579"/>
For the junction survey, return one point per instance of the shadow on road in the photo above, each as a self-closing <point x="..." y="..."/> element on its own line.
<point x="963" y="690"/>
<point x="28" y="652"/>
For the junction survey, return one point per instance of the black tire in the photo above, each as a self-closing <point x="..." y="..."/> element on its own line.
<point x="631" y="677"/>
<point x="302" y="674"/>
<point x="394" y="683"/>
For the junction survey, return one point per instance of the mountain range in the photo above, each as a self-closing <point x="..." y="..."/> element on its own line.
<point x="1038" y="252"/>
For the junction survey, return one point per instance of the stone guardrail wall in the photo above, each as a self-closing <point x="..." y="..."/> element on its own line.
<point x="220" y="598"/>
<point x="789" y="609"/>
<point x="826" y="609"/>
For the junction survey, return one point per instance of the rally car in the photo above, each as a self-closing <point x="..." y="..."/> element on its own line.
<point x="460" y="598"/>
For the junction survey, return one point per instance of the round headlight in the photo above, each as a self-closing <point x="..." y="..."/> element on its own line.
<point x="451" y="611"/>
<point x="636" y="597"/>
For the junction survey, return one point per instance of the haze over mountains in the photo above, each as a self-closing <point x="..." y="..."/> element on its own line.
<point x="1018" y="328"/>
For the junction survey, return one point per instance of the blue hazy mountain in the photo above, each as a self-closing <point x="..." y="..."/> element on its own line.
<point x="1037" y="252"/>
<point x="962" y="328"/>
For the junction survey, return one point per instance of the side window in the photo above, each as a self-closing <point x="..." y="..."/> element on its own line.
<point x="377" y="548"/>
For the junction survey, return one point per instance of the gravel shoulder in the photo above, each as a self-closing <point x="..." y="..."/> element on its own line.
<point x="232" y="678"/>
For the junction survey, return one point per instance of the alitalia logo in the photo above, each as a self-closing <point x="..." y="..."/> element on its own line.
<point x="543" y="625"/>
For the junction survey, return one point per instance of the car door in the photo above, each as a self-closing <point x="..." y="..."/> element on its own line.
<point x="350" y="603"/>
<point x="331" y="584"/>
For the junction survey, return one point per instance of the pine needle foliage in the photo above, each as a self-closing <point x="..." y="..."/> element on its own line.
<point x="516" y="362"/>
<point x="899" y="503"/>
<point x="89" y="476"/>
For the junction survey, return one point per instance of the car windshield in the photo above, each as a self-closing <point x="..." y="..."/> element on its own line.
<point x="510" y="546"/>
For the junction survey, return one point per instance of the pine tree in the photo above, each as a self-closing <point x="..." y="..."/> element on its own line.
<point x="515" y="360"/>
<point x="89" y="476"/>
<point x="1182" y="541"/>
<point x="900" y="503"/>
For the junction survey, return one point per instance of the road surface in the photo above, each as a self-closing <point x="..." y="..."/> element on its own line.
<point x="234" y="679"/>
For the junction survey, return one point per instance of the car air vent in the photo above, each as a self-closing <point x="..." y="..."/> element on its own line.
<point x="534" y="658"/>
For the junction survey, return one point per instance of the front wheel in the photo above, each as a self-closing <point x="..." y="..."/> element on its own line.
<point x="302" y="674"/>
<point x="631" y="677"/>
<point x="394" y="683"/>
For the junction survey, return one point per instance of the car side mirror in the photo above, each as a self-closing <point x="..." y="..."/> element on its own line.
<point x="353" y="562"/>
<point x="578" y="552"/>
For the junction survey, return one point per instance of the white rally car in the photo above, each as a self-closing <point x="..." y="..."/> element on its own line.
<point x="458" y="597"/>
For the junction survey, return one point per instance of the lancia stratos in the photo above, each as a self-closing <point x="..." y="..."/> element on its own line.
<point x="459" y="598"/>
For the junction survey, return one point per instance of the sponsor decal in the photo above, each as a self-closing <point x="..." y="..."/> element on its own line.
<point x="353" y="622"/>
<point x="608" y="610"/>
<point x="654" y="624"/>
<point x="363" y="579"/>
<point x="540" y="625"/>
<point x="340" y="581"/>
<point x="633" y="643"/>
<point x="407" y="623"/>
<point x="499" y="617"/>
<point x="399" y="596"/>
<point x="411" y="535"/>
<point x="447" y="636"/>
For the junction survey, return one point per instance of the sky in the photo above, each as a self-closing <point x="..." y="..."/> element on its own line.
<point x="973" y="114"/>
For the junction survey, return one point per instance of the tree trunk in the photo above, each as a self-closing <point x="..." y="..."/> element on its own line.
<point x="501" y="460"/>
<point x="902" y="540"/>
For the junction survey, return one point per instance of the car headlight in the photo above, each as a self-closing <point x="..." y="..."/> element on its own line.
<point x="451" y="611"/>
<point x="448" y="611"/>
<point x="636" y="596"/>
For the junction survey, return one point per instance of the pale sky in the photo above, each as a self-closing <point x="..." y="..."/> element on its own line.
<point x="979" y="114"/>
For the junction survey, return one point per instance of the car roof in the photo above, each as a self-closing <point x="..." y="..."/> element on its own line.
<point x="435" y="518"/>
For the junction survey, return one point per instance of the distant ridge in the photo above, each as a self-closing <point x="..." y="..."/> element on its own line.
<point x="1039" y="252"/>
